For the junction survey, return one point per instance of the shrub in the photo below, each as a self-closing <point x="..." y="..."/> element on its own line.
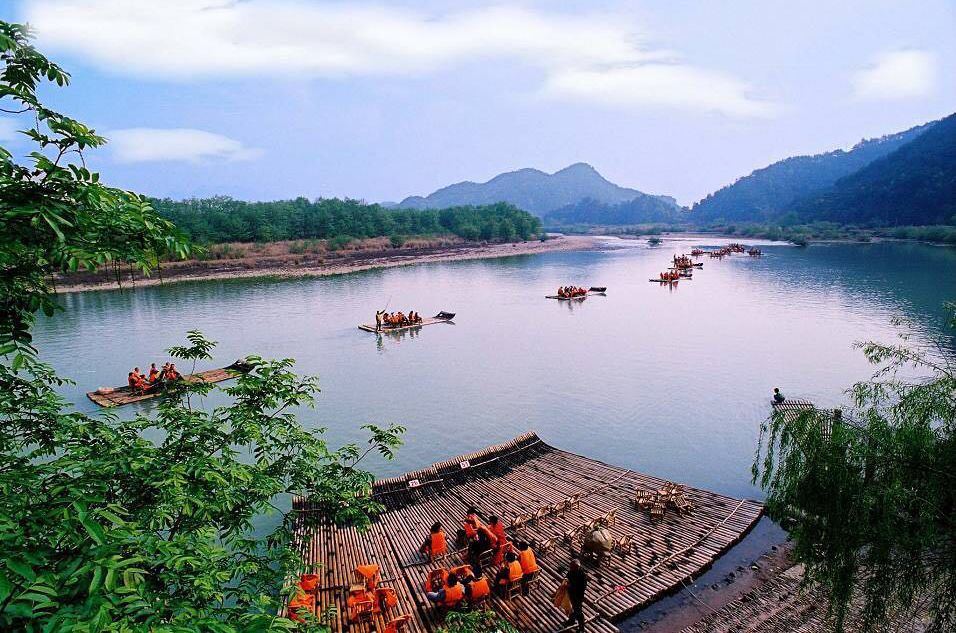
<point x="339" y="242"/>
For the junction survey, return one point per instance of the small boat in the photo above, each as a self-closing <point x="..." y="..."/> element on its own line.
<point x="667" y="281"/>
<point x="574" y="298"/>
<point x="118" y="396"/>
<point x="593" y="290"/>
<point x="441" y="317"/>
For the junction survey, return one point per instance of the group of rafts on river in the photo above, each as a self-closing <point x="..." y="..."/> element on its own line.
<point x="683" y="265"/>
<point x="141" y="387"/>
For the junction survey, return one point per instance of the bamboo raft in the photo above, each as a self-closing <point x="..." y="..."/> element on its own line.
<point x="791" y="410"/>
<point x="124" y="395"/>
<point x="441" y="317"/>
<point x="508" y="480"/>
<point x="591" y="291"/>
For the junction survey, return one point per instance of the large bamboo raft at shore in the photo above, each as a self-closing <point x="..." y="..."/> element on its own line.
<point x="119" y="396"/>
<point x="508" y="480"/>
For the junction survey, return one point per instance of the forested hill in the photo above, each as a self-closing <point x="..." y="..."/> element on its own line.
<point x="770" y="191"/>
<point x="915" y="185"/>
<point x="643" y="210"/>
<point x="222" y="219"/>
<point x="533" y="190"/>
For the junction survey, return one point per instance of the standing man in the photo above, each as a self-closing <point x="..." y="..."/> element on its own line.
<point x="577" y="583"/>
<point x="379" y="315"/>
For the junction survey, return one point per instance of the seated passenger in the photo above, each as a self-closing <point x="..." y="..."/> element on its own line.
<point x="509" y="573"/>
<point x="449" y="595"/>
<point x="777" y="396"/>
<point x="526" y="558"/>
<point x="477" y="589"/>
<point x="153" y="373"/>
<point x="463" y="572"/>
<point x="435" y="544"/>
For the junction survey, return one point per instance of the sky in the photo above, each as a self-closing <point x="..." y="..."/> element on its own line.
<point x="271" y="99"/>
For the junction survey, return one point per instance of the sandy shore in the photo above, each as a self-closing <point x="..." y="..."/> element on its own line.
<point x="347" y="262"/>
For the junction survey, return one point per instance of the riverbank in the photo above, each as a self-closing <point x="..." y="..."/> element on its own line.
<point x="286" y="260"/>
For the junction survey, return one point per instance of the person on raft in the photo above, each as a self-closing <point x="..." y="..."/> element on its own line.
<point x="571" y="291"/>
<point x="435" y="545"/>
<point x="577" y="582"/>
<point x="777" y="396"/>
<point x="509" y="573"/>
<point x="398" y="319"/>
<point x="450" y="595"/>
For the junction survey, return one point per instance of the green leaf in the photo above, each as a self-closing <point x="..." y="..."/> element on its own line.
<point x="21" y="569"/>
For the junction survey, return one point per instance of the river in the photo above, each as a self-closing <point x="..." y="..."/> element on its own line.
<point x="672" y="382"/>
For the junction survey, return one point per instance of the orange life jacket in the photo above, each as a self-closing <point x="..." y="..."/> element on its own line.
<point x="527" y="561"/>
<point x="514" y="571"/>
<point x="153" y="375"/>
<point x="438" y="544"/>
<point x="479" y="589"/>
<point x="491" y="535"/>
<point x="453" y="595"/>
<point x="436" y="579"/>
<point x="499" y="532"/>
<point x="462" y="571"/>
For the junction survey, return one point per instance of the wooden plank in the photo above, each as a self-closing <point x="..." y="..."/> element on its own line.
<point x="518" y="477"/>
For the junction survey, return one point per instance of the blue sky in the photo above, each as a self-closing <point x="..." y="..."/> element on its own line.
<point x="266" y="99"/>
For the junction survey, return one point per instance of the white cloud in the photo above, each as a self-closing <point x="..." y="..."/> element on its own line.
<point x="897" y="75"/>
<point x="8" y="129"/>
<point x="137" y="145"/>
<point x="668" y="85"/>
<point x="185" y="39"/>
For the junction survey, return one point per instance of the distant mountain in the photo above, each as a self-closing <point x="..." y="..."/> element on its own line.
<point x="914" y="185"/>
<point x="643" y="210"/>
<point x="770" y="191"/>
<point x="532" y="190"/>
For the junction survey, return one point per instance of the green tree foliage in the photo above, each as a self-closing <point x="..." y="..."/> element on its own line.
<point x="916" y="184"/>
<point x="55" y="215"/>
<point x="769" y="192"/>
<point x="869" y="496"/>
<point x="144" y="524"/>
<point x="222" y="219"/>
<point x="479" y="621"/>
<point x="103" y="528"/>
<point x="641" y="210"/>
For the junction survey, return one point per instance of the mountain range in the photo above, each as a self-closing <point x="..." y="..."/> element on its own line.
<point x="768" y="193"/>
<point x="906" y="178"/>
<point x="535" y="191"/>
<point x="913" y="185"/>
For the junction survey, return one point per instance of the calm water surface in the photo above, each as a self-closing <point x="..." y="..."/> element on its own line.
<point x="669" y="382"/>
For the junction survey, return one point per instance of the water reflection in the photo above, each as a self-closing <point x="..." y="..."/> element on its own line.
<point x="675" y="386"/>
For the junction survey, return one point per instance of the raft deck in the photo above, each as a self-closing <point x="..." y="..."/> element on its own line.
<point x="792" y="409"/>
<point x="506" y="480"/>
<point x="124" y="395"/>
<point x="431" y="321"/>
